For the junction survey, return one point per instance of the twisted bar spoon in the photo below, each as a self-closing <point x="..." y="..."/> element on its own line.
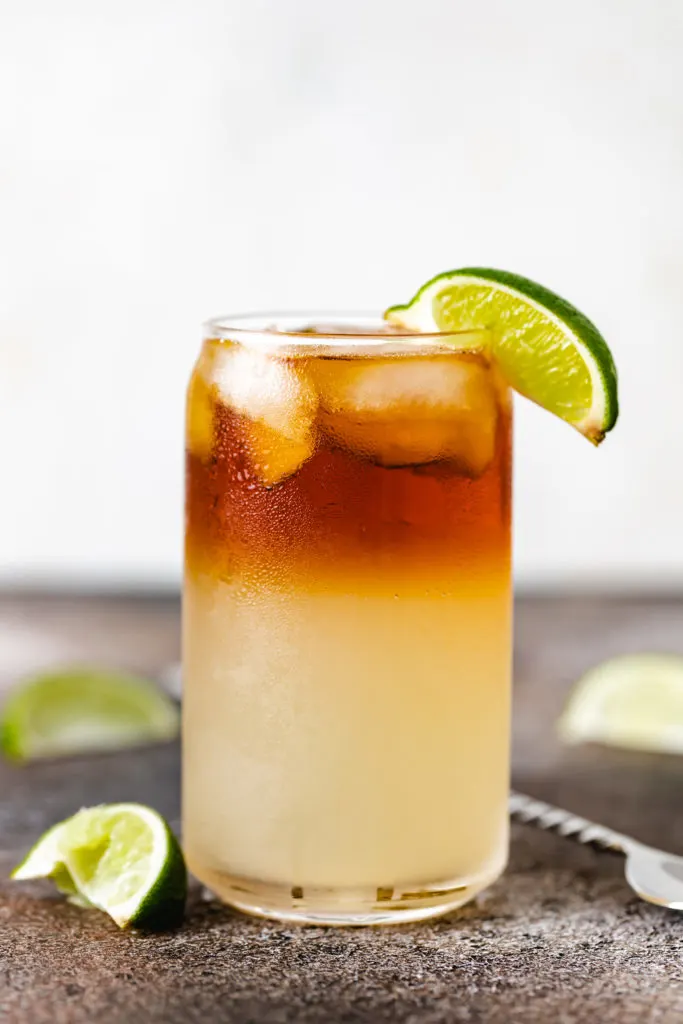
<point x="654" y="875"/>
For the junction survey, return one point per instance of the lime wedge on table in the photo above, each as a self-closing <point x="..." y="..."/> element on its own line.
<point x="80" y="710"/>
<point x="632" y="701"/>
<point x="121" y="858"/>
<point x="545" y="348"/>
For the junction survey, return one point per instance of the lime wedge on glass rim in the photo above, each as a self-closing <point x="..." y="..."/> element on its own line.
<point x="120" y="858"/>
<point x="83" y="710"/>
<point x="545" y="348"/>
<point x="633" y="701"/>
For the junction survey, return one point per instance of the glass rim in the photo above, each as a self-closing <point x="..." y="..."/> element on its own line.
<point x="294" y="327"/>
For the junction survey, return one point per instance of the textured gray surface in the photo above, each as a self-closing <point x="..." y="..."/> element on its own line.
<point x="560" y="938"/>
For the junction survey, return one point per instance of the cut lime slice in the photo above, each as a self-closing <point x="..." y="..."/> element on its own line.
<point x="81" y="710"/>
<point x="546" y="349"/>
<point x="121" y="858"/>
<point x="632" y="701"/>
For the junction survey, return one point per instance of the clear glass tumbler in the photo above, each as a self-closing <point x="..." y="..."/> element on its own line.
<point x="347" y="619"/>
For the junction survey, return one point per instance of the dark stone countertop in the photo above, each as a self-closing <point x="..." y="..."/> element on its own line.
<point x="559" y="939"/>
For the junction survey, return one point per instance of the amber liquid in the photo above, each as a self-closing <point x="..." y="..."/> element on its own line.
<point x="347" y="659"/>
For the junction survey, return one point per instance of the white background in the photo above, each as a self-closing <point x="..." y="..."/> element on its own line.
<point x="163" y="160"/>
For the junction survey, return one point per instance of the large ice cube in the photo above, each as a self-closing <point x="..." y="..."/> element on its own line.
<point x="410" y="410"/>
<point x="280" y="403"/>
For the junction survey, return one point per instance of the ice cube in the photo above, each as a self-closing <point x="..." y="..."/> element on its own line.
<point x="410" y="411"/>
<point x="199" y="416"/>
<point x="280" y="404"/>
<point x="273" y="456"/>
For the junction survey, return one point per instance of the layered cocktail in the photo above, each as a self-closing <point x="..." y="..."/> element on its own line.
<point x="347" y="630"/>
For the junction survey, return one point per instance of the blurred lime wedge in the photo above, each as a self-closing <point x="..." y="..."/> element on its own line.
<point x="546" y="349"/>
<point x="121" y="858"/>
<point x="73" y="712"/>
<point x="632" y="701"/>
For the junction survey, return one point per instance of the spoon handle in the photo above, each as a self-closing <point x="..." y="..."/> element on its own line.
<point x="536" y="812"/>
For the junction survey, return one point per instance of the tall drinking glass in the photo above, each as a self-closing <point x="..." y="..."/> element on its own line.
<point x="347" y="619"/>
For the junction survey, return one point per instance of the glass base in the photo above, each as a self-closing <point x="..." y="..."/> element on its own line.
<point x="339" y="907"/>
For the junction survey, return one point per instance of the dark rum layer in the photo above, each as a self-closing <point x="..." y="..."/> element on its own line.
<point x="340" y="513"/>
